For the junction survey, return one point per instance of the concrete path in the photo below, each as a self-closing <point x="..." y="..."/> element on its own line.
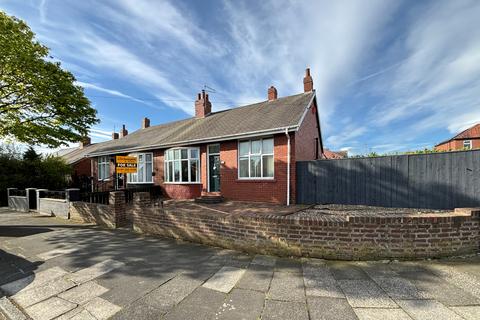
<point x="54" y="269"/>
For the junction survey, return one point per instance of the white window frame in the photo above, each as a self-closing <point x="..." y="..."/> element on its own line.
<point x="189" y="159"/>
<point x="144" y="177"/>
<point x="469" y="142"/>
<point x="104" y="161"/>
<point x="261" y="154"/>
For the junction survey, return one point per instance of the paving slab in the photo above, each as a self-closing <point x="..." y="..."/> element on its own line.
<point x="468" y="312"/>
<point x="56" y="253"/>
<point x="225" y="279"/>
<point x="439" y="289"/>
<point x="257" y="277"/>
<point x="202" y="304"/>
<point x="324" y="308"/>
<point x="33" y="280"/>
<point x="279" y="310"/>
<point x="83" y="293"/>
<point x="10" y="310"/>
<point x="320" y="282"/>
<point x="365" y="294"/>
<point x="42" y="292"/>
<point x="465" y="281"/>
<point x="263" y="260"/>
<point x="95" y="271"/>
<point x="288" y="265"/>
<point x="346" y="271"/>
<point x="287" y="287"/>
<point x="49" y="308"/>
<point x="377" y="269"/>
<point x="400" y="288"/>
<point x="381" y="314"/>
<point x="101" y="309"/>
<point x="427" y="310"/>
<point x="241" y="305"/>
<point x="83" y="315"/>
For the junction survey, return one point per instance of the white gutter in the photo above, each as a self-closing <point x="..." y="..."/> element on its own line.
<point x="288" y="166"/>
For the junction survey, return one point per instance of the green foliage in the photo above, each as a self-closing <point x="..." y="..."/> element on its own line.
<point x="30" y="171"/>
<point x="39" y="101"/>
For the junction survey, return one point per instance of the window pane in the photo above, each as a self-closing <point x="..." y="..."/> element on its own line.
<point x="148" y="172"/>
<point x="267" y="166"/>
<point x="243" y="167"/>
<point x="176" y="154"/>
<point x="140" y="158"/>
<point x="148" y="157"/>
<point x="193" y="170"/>
<point x="194" y="153"/>
<point x="170" y="154"/>
<point x="100" y="171"/>
<point x="184" y="153"/>
<point x="170" y="172"/>
<point x="176" y="171"/>
<point x="256" y="146"/>
<point x="185" y="171"/>
<point x="267" y="146"/>
<point x="244" y="148"/>
<point x="214" y="148"/>
<point x="140" y="172"/>
<point x="255" y="168"/>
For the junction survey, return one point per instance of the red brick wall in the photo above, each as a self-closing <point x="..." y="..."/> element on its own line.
<point x="306" y="135"/>
<point x="83" y="168"/>
<point x="359" y="238"/>
<point x="258" y="190"/>
<point x="457" y="145"/>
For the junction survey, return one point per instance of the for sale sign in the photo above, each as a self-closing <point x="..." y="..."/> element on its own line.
<point x="126" y="164"/>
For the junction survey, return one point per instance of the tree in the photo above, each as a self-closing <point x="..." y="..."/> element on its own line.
<point x="39" y="101"/>
<point x="31" y="155"/>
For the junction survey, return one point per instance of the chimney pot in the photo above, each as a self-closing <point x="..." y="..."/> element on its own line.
<point x="123" y="132"/>
<point x="307" y="81"/>
<point x="272" y="93"/>
<point x="114" y="135"/>
<point x="86" y="141"/>
<point x="203" y="107"/>
<point x="145" y="123"/>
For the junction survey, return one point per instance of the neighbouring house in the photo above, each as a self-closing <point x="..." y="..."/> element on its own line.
<point x="465" y="140"/>
<point x="245" y="153"/>
<point x="329" y="154"/>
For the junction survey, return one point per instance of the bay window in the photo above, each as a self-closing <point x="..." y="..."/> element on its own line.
<point x="182" y="165"/>
<point x="103" y="168"/>
<point x="255" y="159"/>
<point x="144" y="169"/>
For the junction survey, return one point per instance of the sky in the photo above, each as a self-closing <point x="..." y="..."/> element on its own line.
<point x="390" y="76"/>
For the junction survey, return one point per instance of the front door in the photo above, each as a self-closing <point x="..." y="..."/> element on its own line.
<point x="214" y="168"/>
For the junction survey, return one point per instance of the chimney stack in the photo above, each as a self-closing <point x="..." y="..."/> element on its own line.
<point x="272" y="93"/>
<point x="203" y="107"/>
<point x="123" y="132"/>
<point x="307" y="81"/>
<point x="86" y="141"/>
<point x="145" y="123"/>
<point x="114" y="135"/>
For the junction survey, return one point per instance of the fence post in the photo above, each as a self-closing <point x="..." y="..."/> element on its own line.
<point x="117" y="201"/>
<point x="39" y="191"/>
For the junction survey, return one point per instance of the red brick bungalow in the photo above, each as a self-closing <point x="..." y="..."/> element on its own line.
<point x="465" y="140"/>
<point x="242" y="152"/>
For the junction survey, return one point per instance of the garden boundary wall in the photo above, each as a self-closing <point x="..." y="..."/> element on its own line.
<point x="356" y="238"/>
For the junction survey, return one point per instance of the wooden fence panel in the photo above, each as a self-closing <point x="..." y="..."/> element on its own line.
<point x="437" y="180"/>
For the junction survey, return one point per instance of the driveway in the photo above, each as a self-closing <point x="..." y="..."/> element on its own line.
<point x="51" y="268"/>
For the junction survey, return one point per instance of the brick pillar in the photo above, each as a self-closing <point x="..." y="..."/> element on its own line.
<point x="117" y="202"/>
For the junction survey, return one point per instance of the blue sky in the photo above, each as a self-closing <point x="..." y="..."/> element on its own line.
<point x="390" y="75"/>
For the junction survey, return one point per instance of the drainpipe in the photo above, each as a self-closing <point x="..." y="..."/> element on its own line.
<point x="288" y="166"/>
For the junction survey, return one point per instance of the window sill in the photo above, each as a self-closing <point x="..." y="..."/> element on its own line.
<point x="257" y="180"/>
<point x="139" y="182"/>
<point x="104" y="180"/>
<point x="182" y="183"/>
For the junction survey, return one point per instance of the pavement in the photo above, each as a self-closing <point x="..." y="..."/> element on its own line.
<point x="55" y="269"/>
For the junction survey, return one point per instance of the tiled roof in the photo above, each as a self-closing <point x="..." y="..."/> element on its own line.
<point x="334" y="154"/>
<point x="73" y="155"/>
<point x="470" y="133"/>
<point x="265" y="116"/>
